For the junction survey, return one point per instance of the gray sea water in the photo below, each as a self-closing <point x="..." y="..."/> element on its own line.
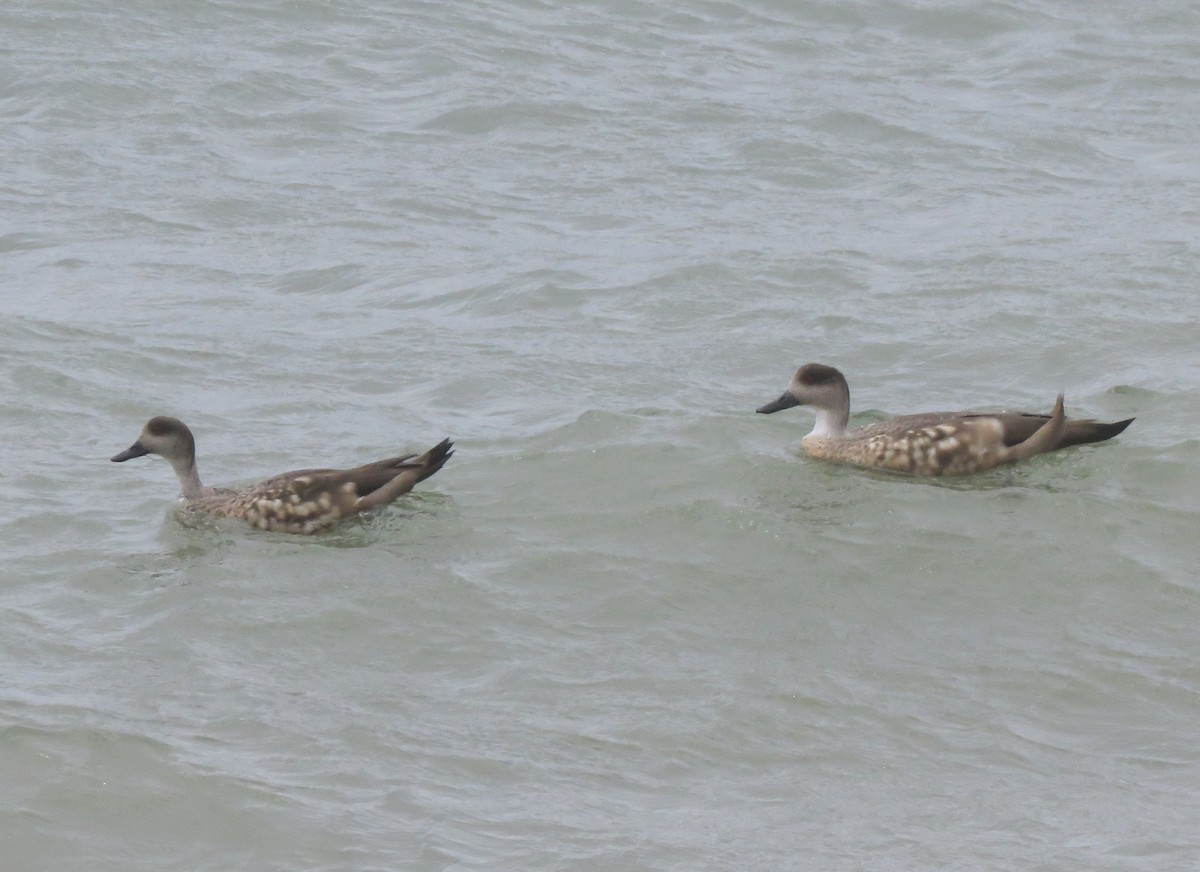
<point x="628" y="627"/>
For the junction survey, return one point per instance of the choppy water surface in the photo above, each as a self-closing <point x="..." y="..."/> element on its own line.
<point x="627" y="627"/>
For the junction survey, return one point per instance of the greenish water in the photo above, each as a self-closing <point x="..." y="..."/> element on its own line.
<point x="628" y="626"/>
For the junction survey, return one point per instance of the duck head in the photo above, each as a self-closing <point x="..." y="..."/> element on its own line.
<point x="167" y="437"/>
<point x="822" y="387"/>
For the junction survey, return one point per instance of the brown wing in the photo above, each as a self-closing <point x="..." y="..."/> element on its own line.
<point x="1019" y="426"/>
<point x="311" y="483"/>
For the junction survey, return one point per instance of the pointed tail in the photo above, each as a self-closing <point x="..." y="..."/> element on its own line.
<point x="1083" y="432"/>
<point x="412" y="470"/>
<point x="434" y="459"/>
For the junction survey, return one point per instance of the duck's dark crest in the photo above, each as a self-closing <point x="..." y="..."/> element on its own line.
<point x="812" y="374"/>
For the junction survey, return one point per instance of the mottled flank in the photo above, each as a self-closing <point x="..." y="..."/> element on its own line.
<point x="909" y="445"/>
<point x="304" y="501"/>
<point x="934" y="443"/>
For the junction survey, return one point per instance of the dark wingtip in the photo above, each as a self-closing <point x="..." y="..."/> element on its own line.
<point x="1117" y="427"/>
<point x="1085" y="432"/>
<point x="435" y="458"/>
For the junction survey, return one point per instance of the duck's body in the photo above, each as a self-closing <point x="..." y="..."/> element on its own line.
<point x="302" y="501"/>
<point x="932" y="443"/>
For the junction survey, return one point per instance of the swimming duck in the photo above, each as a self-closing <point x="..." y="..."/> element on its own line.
<point x="934" y="443"/>
<point x="303" y="501"/>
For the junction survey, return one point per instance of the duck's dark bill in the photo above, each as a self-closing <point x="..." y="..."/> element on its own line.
<point x="784" y="402"/>
<point x="134" y="450"/>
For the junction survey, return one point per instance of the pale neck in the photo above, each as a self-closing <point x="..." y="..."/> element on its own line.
<point x="831" y="423"/>
<point x="189" y="479"/>
<point x="832" y="419"/>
